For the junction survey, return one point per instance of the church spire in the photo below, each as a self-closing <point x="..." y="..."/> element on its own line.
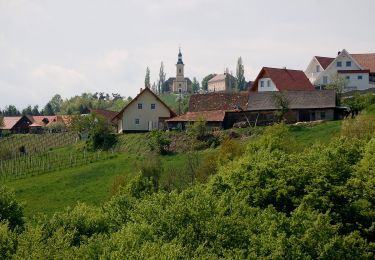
<point x="179" y="57"/>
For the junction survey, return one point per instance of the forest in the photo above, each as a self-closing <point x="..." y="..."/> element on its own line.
<point x="258" y="199"/>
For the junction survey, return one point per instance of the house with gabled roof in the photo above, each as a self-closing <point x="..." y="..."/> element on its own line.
<point x="357" y="69"/>
<point x="275" y="79"/>
<point x="16" y="124"/>
<point x="144" y="113"/>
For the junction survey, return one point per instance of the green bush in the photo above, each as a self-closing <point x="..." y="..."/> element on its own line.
<point x="159" y="142"/>
<point x="10" y="209"/>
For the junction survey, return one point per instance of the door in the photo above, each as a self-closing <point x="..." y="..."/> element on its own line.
<point x="149" y="125"/>
<point x="304" y="116"/>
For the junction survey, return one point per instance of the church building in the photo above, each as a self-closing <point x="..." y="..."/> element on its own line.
<point x="179" y="84"/>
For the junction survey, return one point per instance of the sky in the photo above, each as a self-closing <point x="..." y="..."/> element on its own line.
<point x="69" y="47"/>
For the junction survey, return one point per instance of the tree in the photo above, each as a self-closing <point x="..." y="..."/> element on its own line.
<point x="1" y="121"/>
<point x="48" y="110"/>
<point x="282" y="104"/>
<point x="10" y="209"/>
<point x="195" y="85"/>
<point x="205" y="81"/>
<point x="27" y="111"/>
<point x="35" y="111"/>
<point x="56" y="102"/>
<point x="338" y="83"/>
<point x="241" y="82"/>
<point x="147" y="78"/>
<point x="161" y="80"/>
<point x="154" y="89"/>
<point x="11" y="110"/>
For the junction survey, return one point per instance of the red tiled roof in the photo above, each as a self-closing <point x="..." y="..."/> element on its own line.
<point x="50" y="119"/>
<point x="209" y="116"/>
<point x="284" y="79"/>
<point x="353" y="71"/>
<point x="10" y="122"/>
<point x="366" y="60"/>
<point x="324" y="61"/>
<point x="35" y="125"/>
<point x="218" y="101"/>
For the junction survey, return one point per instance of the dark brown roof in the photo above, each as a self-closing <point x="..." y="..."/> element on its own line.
<point x="366" y="60"/>
<point x="324" y="61"/>
<point x="218" y="101"/>
<point x="134" y="99"/>
<point x="297" y="99"/>
<point x="284" y="79"/>
<point x="209" y="116"/>
<point x="108" y="114"/>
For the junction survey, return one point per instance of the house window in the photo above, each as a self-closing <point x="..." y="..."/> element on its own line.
<point x="262" y="84"/>
<point x="153" y="106"/>
<point x="179" y="70"/>
<point x="347" y="77"/>
<point x="312" y="116"/>
<point x="137" y="121"/>
<point x="339" y="64"/>
<point x="317" y="68"/>
<point x="179" y="90"/>
<point x="179" y="85"/>
<point x="359" y="77"/>
<point x="348" y="64"/>
<point x="325" y="80"/>
<point x="322" y="115"/>
<point x="268" y="83"/>
<point x="139" y="105"/>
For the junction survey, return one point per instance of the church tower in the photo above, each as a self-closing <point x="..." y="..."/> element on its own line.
<point x="180" y="84"/>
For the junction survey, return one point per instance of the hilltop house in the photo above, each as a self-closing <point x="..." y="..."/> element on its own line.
<point x="274" y="79"/>
<point x="357" y="69"/>
<point x="16" y="124"/>
<point x="144" y="113"/>
<point x="179" y="84"/>
<point x="222" y="83"/>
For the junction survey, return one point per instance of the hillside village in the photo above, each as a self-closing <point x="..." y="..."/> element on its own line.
<point x="301" y="96"/>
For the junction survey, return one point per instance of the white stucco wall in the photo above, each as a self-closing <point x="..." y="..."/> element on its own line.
<point x="311" y="72"/>
<point x="271" y="87"/>
<point x="216" y="86"/>
<point x="354" y="82"/>
<point x="145" y="115"/>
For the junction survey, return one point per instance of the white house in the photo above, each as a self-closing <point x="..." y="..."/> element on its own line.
<point x="357" y="69"/>
<point x="274" y="79"/>
<point x="144" y="113"/>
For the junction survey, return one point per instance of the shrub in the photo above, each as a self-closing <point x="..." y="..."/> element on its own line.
<point x="207" y="167"/>
<point x="229" y="150"/>
<point x="361" y="127"/>
<point x="198" y="130"/>
<point x="7" y="241"/>
<point x="10" y="209"/>
<point x="159" y="142"/>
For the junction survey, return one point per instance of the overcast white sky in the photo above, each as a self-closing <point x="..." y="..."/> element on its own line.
<point x="74" y="46"/>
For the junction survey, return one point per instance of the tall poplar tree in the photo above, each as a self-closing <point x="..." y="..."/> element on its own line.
<point x="240" y="75"/>
<point x="147" y="78"/>
<point x="161" y="80"/>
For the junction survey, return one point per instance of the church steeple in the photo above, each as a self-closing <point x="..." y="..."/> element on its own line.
<point x="179" y="57"/>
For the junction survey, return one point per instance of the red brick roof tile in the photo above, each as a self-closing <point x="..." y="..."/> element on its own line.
<point x="324" y="61"/>
<point x="209" y="116"/>
<point x="218" y="101"/>
<point x="366" y="60"/>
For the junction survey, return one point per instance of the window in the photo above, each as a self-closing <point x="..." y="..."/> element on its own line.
<point x="137" y="121"/>
<point x="325" y="80"/>
<point x="339" y="64"/>
<point x="359" y="77"/>
<point x="153" y="106"/>
<point x="268" y="83"/>
<point x="179" y="70"/>
<point x="139" y="105"/>
<point x="261" y="83"/>
<point x="322" y="115"/>
<point x="179" y="90"/>
<point x="179" y="85"/>
<point x="347" y="77"/>
<point x="312" y="116"/>
<point x="317" y="68"/>
<point x="348" y="64"/>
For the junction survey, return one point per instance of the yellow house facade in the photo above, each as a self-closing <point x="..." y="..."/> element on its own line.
<point x="144" y="113"/>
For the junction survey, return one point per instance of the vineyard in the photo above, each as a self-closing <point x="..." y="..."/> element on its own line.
<point x="18" y="145"/>
<point x="32" y="165"/>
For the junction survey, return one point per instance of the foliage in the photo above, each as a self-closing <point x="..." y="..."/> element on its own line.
<point x="282" y="105"/>
<point x="361" y="127"/>
<point x="205" y="81"/>
<point x="161" y="80"/>
<point x="359" y="102"/>
<point x="240" y="75"/>
<point x="338" y="83"/>
<point x="56" y="127"/>
<point x="10" y="210"/>
<point x="8" y="241"/>
<point x="198" y="129"/>
<point x="11" y="110"/>
<point x="195" y="85"/>
<point x="159" y="142"/>
<point x="99" y="130"/>
<point x="1" y="121"/>
<point x="147" y="78"/>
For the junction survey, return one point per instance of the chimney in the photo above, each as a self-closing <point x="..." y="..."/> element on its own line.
<point x="339" y="52"/>
<point x="140" y="90"/>
<point x="284" y="68"/>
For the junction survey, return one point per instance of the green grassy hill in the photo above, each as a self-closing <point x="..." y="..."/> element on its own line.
<point x="92" y="183"/>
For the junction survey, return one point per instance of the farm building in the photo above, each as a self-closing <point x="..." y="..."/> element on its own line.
<point x="16" y="124"/>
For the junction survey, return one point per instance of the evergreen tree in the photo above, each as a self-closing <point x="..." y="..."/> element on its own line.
<point x="240" y="74"/>
<point x="35" y="111"/>
<point x="147" y="78"/>
<point x="195" y="85"/>
<point x="27" y="111"/>
<point x="11" y="110"/>
<point x="48" y="110"/>
<point x="161" y="80"/>
<point x="154" y="88"/>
